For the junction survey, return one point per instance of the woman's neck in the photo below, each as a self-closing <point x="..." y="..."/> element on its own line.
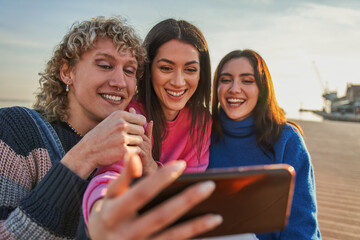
<point x="171" y="115"/>
<point x="79" y="124"/>
<point x="236" y="128"/>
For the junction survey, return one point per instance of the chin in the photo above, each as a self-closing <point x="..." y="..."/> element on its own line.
<point x="237" y="117"/>
<point x="107" y="112"/>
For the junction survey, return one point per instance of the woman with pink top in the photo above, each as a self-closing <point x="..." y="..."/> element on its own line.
<point x="174" y="93"/>
<point x="174" y="96"/>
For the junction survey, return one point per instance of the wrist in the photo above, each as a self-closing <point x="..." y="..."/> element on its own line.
<point x="151" y="167"/>
<point x="76" y="165"/>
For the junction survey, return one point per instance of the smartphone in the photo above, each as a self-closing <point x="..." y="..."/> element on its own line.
<point x="253" y="199"/>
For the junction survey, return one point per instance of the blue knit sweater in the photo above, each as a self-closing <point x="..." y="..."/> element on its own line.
<point x="238" y="147"/>
<point x="39" y="199"/>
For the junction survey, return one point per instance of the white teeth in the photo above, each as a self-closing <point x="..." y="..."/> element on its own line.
<point x="235" y="100"/>
<point x="175" y="94"/>
<point x="111" y="97"/>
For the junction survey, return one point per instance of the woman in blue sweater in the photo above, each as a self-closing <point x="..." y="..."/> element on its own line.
<point x="249" y="128"/>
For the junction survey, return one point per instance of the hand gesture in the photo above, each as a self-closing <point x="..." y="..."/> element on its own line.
<point x="118" y="134"/>
<point x="115" y="216"/>
<point x="145" y="153"/>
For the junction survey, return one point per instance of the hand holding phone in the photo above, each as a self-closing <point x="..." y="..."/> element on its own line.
<point x="252" y="199"/>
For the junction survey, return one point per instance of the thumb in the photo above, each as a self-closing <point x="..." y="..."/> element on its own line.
<point x="132" y="110"/>
<point x="148" y="129"/>
<point x="132" y="169"/>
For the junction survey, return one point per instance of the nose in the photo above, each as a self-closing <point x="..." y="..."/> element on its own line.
<point x="118" y="79"/>
<point x="235" y="87"/>
<point x="178" y="79"/>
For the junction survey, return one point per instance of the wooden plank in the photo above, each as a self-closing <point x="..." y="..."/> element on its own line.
<point x="335" y="152"/>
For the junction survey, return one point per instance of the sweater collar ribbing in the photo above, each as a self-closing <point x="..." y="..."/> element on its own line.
<point x="241" y="128"/>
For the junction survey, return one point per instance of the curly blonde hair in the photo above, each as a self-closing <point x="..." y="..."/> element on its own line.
<point x="51" y="100"/>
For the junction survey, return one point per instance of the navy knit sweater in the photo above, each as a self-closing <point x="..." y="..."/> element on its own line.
<point x="38" y="199"/>
<point x="238" y="147"/>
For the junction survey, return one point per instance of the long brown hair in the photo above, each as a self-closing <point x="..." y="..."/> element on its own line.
<point x="199" y="102"/>
<point x="269" y="118"/>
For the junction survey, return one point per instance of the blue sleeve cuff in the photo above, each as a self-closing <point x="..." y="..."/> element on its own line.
<point x="55" y="202"/>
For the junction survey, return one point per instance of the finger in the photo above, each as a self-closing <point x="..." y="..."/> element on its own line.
<point x="131" y="170"/>
<point x="146" y="189"/>
<point x="132" y="110"/>
<point x="131" y="117"/>
<point x="148" y="129"/>
<point x="133" y="140"/>
<point x="191" y="228"/>
<point x="132" y="128"/>
<point x="133" y="150"/>
<point x="123" y="122"/>
<point x="144" y="154"/>
<point x="169" y="211"/>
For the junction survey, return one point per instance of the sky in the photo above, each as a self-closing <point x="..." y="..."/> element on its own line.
<point x="307" y="45"/>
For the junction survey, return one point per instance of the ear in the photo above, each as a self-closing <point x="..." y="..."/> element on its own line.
<point x="66" y="73"/>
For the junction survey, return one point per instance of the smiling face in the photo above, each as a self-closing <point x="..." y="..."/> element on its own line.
<point x="175" y="73"/>
<point x="102" y="82"/>
<point x="237" y="89"/>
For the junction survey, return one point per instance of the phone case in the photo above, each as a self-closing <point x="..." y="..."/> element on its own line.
<point x="254" y="199"/>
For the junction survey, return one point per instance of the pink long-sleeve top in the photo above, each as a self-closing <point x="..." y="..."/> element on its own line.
<point x="178" y="145"/>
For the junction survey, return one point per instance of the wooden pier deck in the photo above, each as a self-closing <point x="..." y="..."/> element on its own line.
<point x="335" y="151"/>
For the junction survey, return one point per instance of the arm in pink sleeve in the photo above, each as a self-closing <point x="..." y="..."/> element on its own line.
<point x="98" y="186"/>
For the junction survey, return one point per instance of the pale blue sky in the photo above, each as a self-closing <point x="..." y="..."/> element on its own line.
<point x="290" y="35"/>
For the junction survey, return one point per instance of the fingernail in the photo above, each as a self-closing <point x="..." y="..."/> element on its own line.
<point x="214" y="220"/>
<point x="207" y="187"/>
<point x="178" y="167"/>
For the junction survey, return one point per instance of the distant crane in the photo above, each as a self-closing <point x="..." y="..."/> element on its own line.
<point x="324" y="87"/>
<point x="327" y="94"/>
<point x="346" y="108"/>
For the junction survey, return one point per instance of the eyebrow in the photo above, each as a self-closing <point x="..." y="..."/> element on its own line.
<point x="105" y="55"/>
<point x="241" y="75"/>
<point x="173" y="63"/>
<point x="113" y="58"/>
